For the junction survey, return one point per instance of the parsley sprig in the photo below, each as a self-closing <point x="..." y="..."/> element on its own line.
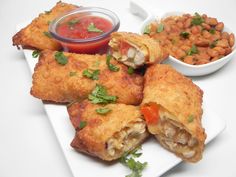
<point x="73" y="22"/>
<point x="197" y="19"/>
<point x="61" y="58"/>
<point x="103" y="111"/>
<point x="128" y="159"/>
<point x="184" y="34"/>
<point x="160" y="28"/>
<point x="192" y="50"/>
<point x="99" y="96"/>
<point x="91" y="74"/>
<point x="111" y="66"/>
<point x="93" y="28"/>
<point x="82" y="124"/>
<point x="147" y="30"/>
<point x="35" y="53"/>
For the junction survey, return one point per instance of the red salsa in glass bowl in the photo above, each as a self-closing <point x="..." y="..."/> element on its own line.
<point x="85" y="30"/>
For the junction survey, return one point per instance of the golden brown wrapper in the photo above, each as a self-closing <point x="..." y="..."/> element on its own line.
<point x="150" y="47"/>
<point x="66" y="83"/>
<point x="110" y="135"/>
<point x="180" y="102"/>
<point x="35" y="35"/>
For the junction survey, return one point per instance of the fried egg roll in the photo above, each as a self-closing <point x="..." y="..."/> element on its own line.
<point x="107" y="136"/>
<point x="70" y="81"/>
<point x="172" y="107"/>
<point x="36" y="35"/>
<point x="135" y="50"/>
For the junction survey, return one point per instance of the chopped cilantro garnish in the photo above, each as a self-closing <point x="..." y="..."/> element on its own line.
<point x="72" y="22"/>
<point x="111" y="66"/>
<point x="190" y="118"/>
<point x="184" y="34"/>
<point x="197" y="19"/>
<point x="160" y="28"/>
<point x="128" y="159"/>
<point x="72" y="73"/>
<point x="82" y="124"/>
<point x="103" y="111"/>
<point x="35" y="53"/>
<point x="193" y="50"/>
<point x="61" y="58"/>
<point x="99" y="95"/>
<point x="91" y="74"/>
<point x="130" y="70"/>
<point x="147" y="30"/>
<point x="46" y="33"/>
<point x="213" y="44"/>
<point x="212" y="31"/>
<point x="92" y="28"/>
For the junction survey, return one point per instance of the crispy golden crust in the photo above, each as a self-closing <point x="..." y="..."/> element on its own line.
<point x="52" y="81"/>
<point x="178" y="95"/>
<point x="155" y="52"/>
<point x="32" y="36"/>
<point x="93" y="138"/>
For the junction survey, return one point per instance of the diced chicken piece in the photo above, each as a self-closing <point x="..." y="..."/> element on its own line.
<point x="127" y="138"/>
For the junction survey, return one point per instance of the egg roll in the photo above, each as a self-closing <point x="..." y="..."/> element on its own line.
<point x="66" y="83"/>
<point x="106" y="136"/>
<point x="172" y="107"/>
<point x="36" y="35"/>
<point x="135" y="50"/>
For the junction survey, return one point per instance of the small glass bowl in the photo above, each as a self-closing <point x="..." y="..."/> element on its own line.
<point x="98" y="44"/>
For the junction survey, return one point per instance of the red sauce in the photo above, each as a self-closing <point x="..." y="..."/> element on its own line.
<point x="78" y="27"/>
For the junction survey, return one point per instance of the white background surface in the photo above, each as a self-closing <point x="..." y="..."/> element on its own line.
<point x="28" y="146"/>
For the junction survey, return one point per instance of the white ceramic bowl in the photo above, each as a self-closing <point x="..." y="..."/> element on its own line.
<point x="138" y="7"/>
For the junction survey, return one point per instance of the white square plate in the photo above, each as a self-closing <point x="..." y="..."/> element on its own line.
<point x="159" y="160"/>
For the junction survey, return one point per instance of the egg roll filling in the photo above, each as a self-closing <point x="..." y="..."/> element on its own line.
<point x="169" y="132"/>
<point x="128" y="53"/>
<point x="127" y="139"/>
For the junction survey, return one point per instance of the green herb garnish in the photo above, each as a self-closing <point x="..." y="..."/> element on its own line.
<point x="99" y="95"/>
<point x="92" y="28"/>
<point x="212" y="31"/>
<point x="197" y="19"/>
<point x="184" y="34"/>
<point x="72" y="73"/>
<point x="61" y="58"/>
<point x="82" y="124"/>
<point x="130" y="70"/>
<point x="160" y="28"/>
<point x="103" y="111"/>
<point x="190" y="118"/>
<point x="147" y="30"/>
<point x="46" y="33"/>
<point x="35" y="53"/>
<point x="48" y="22"/>
<point x="213" y="44"/>
<point x="91" y="74"/>
<point x="111" y="66"/>
<point x="193" y="50"/>
<point x="73" y="22"/>
<point x="128" y="159"/>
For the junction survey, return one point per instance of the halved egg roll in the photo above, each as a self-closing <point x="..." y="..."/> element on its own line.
<point x="107" y="131"/>
<point x="36" y="35"/>
<point x="66" y="77"/>
<point x="172" y="107"/>
<point x="135" y="50"/>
